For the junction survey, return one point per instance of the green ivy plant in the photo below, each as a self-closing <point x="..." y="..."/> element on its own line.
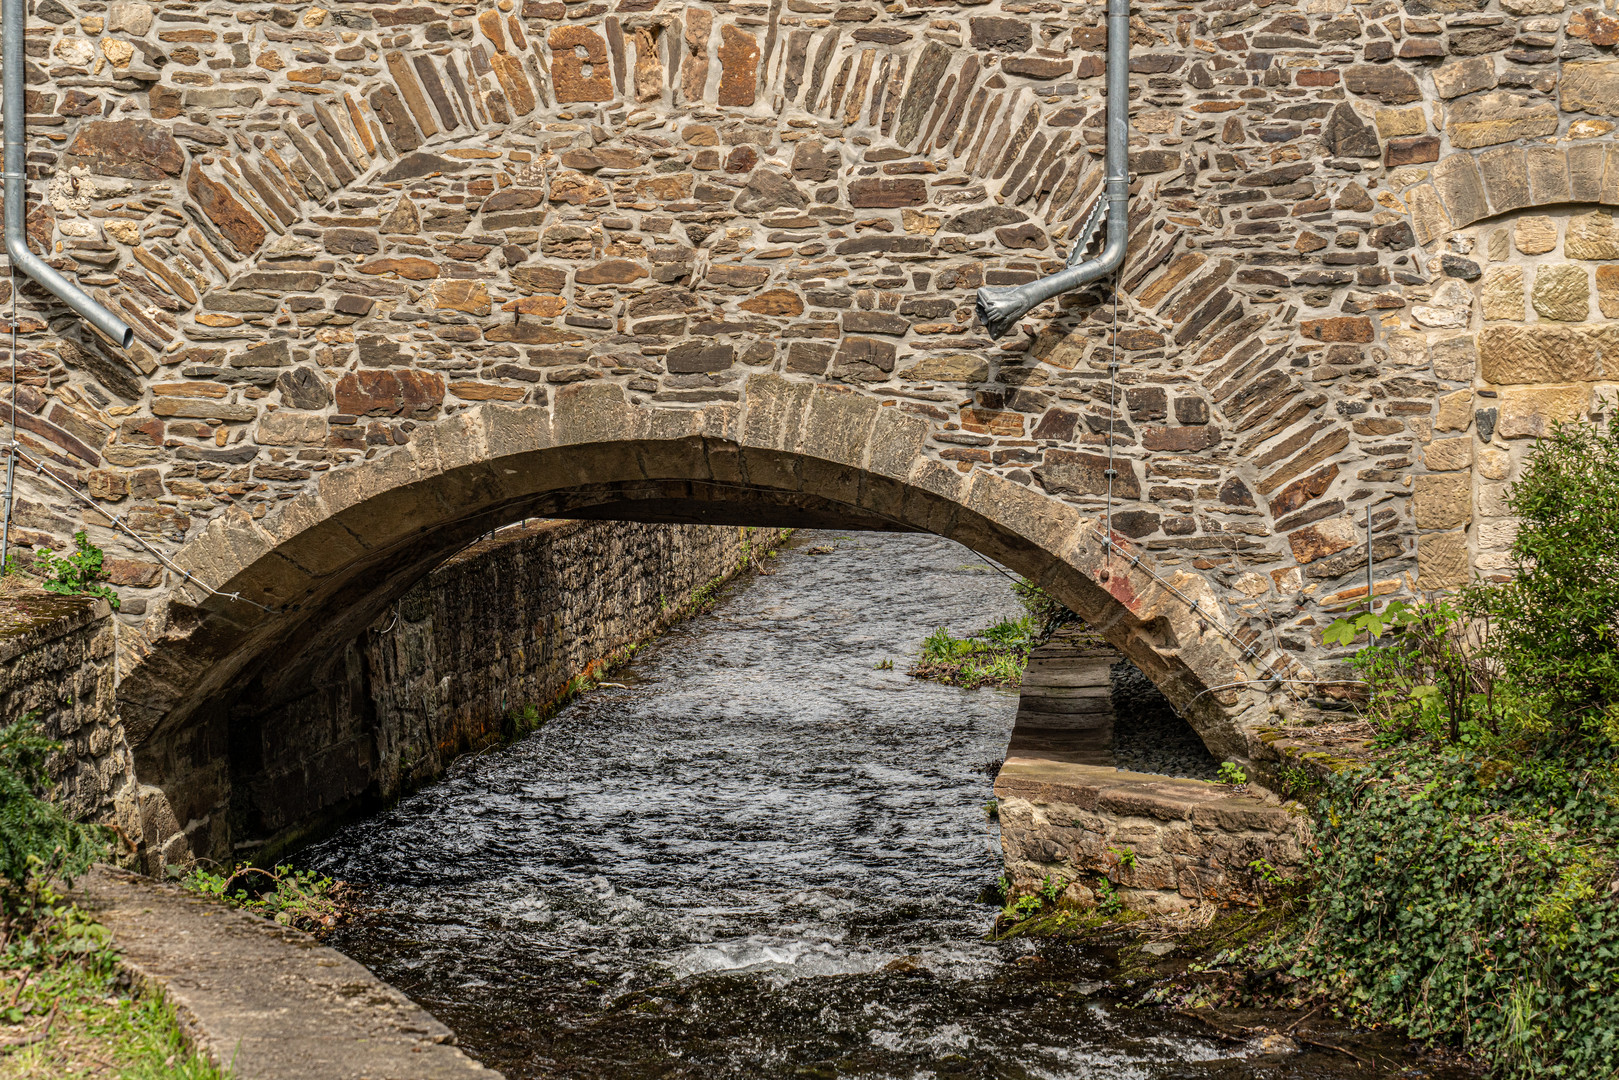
<point x="38" y="842"/>
<point x="78" y="574"/>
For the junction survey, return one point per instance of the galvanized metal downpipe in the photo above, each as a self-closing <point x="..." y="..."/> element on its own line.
<point x="13" y="24"/>
<point x="1000" y="308"/>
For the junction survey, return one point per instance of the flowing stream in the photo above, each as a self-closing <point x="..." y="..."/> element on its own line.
<point x="760" y="856"/>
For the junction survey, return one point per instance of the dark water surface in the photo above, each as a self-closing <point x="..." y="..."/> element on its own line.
<point x="760" y="857"/>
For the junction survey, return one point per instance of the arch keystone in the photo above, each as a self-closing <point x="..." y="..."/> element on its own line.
<point x="837" y="426"/>
<point x="595" y="412"/>
<point x="773" y="411"/>
<point x="511" y="431"/>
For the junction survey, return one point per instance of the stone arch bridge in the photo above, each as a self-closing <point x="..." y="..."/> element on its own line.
<point x="401" y="273"/>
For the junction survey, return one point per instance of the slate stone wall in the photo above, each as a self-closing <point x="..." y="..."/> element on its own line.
<point x="475" y="653"/>
<point x="56" y="665"/>
<point x="334" y="226"/>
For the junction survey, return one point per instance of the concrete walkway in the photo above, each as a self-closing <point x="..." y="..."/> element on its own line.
<point x="270" y="1001"/>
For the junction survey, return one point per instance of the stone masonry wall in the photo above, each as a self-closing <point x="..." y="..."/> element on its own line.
<point x="56" y="663"/>
<point x="334" y="226"/>
<point x="502" y="627"/>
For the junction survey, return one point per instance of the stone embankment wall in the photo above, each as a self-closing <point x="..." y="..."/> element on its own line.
<point x="496" y="632"/>
<point x="1067" y="811"/>
<point x="56" y="664"/>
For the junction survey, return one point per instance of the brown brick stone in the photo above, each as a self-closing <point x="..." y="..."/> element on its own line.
<point x="739" y="66"/>
<point x="610" y="272"/>
<point x="739" y="277"/>
<point x="1070" y="472"/>
<point x="774" y="302"/>
<point x="1390" y="85"/>
<point x="881" y="192"/>
<point x="407" y="267"/>
<point x="1356" y="328"/>
<point x="138" y="149"/>
<point x="390" y="392"/>
<point x="567" y="66"/>
<point x="234" y="220"/>
<point x="1411" y="150"/>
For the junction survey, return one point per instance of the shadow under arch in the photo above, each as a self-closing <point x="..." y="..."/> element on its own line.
<point x="323" y="565"/>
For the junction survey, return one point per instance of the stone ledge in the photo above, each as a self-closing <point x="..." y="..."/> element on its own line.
<point x="1190" y="841"/>
<point x="264" y="1000"/>
<point x="27" y="622"/>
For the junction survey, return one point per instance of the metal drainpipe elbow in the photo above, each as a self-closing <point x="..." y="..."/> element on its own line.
<point x="999" y="308"/>
<point x="13" y="25"/>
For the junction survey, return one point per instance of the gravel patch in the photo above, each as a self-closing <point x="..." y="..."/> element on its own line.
<point x="1149" y="736"/>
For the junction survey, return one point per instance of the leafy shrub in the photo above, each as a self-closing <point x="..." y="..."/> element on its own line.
<point x="38" y="843"/>
<point x="299" y="898"/>
<point x="78" y="574"/>
<point x="1429" y="668"/>
<point x="1556" y="622"/>
<point x="1467" y="900"/>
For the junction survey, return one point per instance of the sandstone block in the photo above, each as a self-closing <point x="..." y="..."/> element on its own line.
<point x="1455" y="412"/>
<point x="132" y="19"/>
<point x="1531" y="413"/>
<point x="951" y="368"/>
<point x="1540" y="353"/>
<point x="1448" y="455"/>
<point x="1442" y="561"/>
<point x="1442" y="502"/>
<point x="1500" y="294"/>
<point x="1590" y="86"/>
<point x="1465" y="76"/>
<point x="1499" y="117"/>
<point x="1534" y="235"/>
<point x="1455" y="359"/>
<point x="1533" y="7"/>
<point x="1608" y="291"/>
<point x="1494" y="463"/>
<point x="1562" y="291"/>
<point x="1392" y="123"/>
<point x="1592" y="236"/>
<point x="285" y="427"/>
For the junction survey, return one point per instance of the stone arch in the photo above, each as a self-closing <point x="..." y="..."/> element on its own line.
<point x="1467" y="186"/>
<point x="321" y="566"/>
